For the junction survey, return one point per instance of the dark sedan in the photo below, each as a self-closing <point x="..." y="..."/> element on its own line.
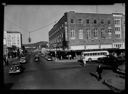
<point x="110" y="62"/>
<point x="36" y="59"/>
<point x="15" y="68"/>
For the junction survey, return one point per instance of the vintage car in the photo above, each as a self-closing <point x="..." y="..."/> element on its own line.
<point x="15" y="68"/>
<point x="110" y="62"/>
<point x="22" y="60"/>
<point x="36" y="58"/>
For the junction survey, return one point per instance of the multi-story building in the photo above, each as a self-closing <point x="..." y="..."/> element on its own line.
<point x="81" y="31"/>
<point x="5" y="43"/>
<point x="14" y="38"/>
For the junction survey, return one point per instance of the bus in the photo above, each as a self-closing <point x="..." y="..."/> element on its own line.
<point x="93" y="55"/>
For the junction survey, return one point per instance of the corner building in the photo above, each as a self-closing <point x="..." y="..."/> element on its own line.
<point x="82" y="31"/>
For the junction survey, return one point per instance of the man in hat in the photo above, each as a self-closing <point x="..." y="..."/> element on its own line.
<point x="99" y="71"/>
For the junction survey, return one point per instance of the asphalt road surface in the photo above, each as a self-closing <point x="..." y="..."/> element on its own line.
<point x="51" y="75"/>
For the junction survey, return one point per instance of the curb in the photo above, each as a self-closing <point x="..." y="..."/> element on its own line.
<point x="113" y="88"/>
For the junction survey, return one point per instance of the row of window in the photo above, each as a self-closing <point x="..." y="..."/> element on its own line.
<point x="58" y="29"/>
<point x="95" y="33"/>
<point x="117" y="21"/>
<point x="80" y="21"/>
<point x="95" y="54"/>
<point x="58" y="38"/>
<point x="117" y="28"/>
<point x="118" y="45"/>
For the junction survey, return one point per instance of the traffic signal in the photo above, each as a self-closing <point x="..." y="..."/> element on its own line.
<point x="29" y="39"/>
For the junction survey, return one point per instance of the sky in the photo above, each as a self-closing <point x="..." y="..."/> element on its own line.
<point x="39" y="19"/>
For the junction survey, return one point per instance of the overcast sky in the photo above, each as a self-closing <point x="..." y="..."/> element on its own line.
<point x="25" y="18"/>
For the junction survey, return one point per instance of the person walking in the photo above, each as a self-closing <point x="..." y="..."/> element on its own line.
<point x="99" y="72"/>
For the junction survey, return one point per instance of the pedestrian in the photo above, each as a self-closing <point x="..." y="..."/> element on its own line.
<point x="85" y="62"/>
<point x="99" y="72"/>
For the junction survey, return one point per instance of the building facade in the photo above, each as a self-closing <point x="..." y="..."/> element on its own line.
<point x="14" y="38"/>
<point x="5" y="51"/>
<point x="81" y="31"/>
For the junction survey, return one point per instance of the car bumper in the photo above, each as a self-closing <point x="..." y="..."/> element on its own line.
<point x="17" y="71"/>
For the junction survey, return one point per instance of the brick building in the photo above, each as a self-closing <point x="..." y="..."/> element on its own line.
<point x="81" y="31"/>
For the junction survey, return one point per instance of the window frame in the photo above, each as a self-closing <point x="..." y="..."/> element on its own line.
<point x="87" y="21"/>
<point x="95" y="21"/>
<point x="80" y="34"/>
<point x="72" y="34"/>
<point x="72" y="21"/>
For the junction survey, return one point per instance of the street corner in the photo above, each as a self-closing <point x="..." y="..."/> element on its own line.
<point x="116" y="84"/>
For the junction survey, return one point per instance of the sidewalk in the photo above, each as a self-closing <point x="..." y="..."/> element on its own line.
<point x="116" y="83"/>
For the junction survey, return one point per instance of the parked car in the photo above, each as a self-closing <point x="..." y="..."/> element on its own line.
<point x="49" y="58"/>
<point x="121" y="69"/>
<point x="110" y="62"/>
<point x="15" y="68"/>
<point x="22" y="60"/>
<point x="36" y="59"/>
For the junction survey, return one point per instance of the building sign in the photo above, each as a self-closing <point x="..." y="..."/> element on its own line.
<point x="106" y="46"/>
<point x="79" y="47"/>
<point x="92" y="46"/>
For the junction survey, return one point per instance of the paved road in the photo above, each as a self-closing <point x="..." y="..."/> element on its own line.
<point x="50" y="75"/>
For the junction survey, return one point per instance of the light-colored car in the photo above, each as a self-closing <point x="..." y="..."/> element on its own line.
<point x="49" y="58"/>
<point x="22" y="60"/>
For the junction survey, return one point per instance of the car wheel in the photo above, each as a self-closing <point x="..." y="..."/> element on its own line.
<point x="90" y="60"/>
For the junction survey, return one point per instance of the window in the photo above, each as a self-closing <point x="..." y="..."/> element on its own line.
<point x="72" y="20"/>
<point x="109" y="22"/>
<point x="117" y="28"/>
<point x="80" y="21"/>
<point x="95" y="33"/>
<point x="88" y="33"/>
<point x="118" y="35"/>
<point x="72" y="34"/>
<point x="102" y="21"/>
<point x="109" y="30"/>
<point x="95" y="21"/>
<point x="80" y="34"/>
<point x="102" y="33"/>
<point x="117" y="22"/>
<point x="87" y="21"/>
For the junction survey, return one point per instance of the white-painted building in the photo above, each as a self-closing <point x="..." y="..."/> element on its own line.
<point x="14" y="38"/>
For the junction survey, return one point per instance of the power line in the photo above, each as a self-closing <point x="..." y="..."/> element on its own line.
<point x="32" y="30"/>
<point x="42" y="27"/>
<point x="15" y="24"/>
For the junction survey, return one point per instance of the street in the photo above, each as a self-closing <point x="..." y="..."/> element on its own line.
<point x="51" y="75"/>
